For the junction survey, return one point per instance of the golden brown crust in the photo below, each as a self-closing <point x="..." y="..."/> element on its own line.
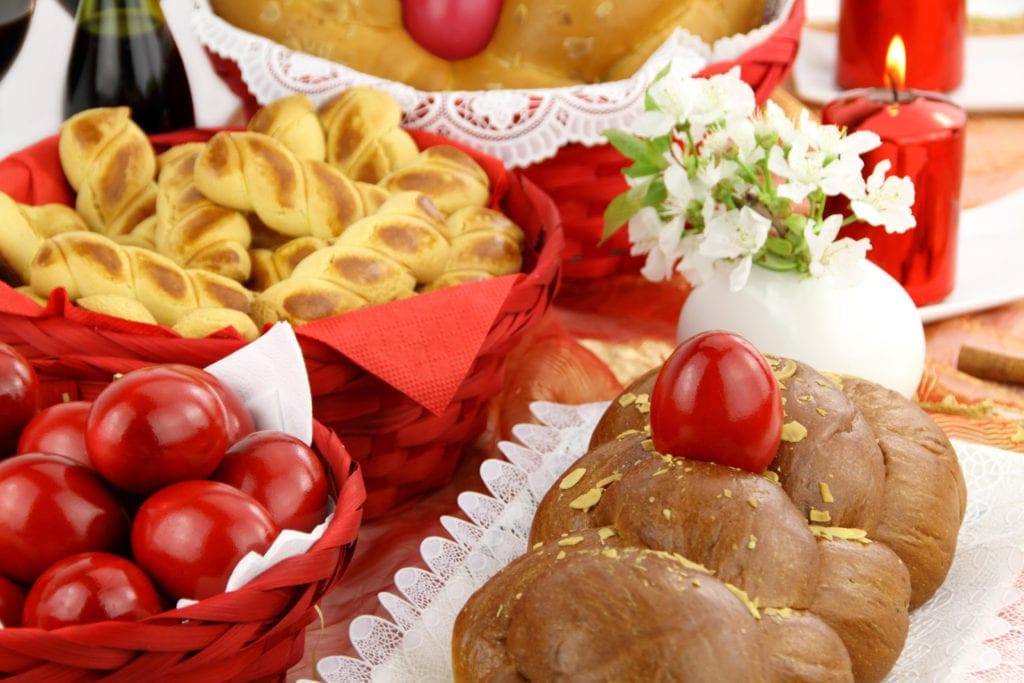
<point x="863" y="593"/>
<point x="626" y="412"/>
<point x="556" y="613"/>
<point x="484" y="244"/>
<point x="88" y="264"/>
<point x="192" y="230"/>
<point x="294" y="122"/>
<point x="449" y="176"/>
<point x="249" y="171"/>
<point x="741" y="524"/>
<point x="110" y="163"/>
<point x="924" y="497"/>
<point x="801" y="648"/>
<point x="24" y="229"/>
<point x="403" y="232"/>
<point x="364" y="137"/>
<point x="837" y="450"/>
<point x="270" y="266"/>
<point x="535" y="44"/>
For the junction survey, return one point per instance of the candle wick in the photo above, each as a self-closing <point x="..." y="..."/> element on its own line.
<point x="895" y="92"/>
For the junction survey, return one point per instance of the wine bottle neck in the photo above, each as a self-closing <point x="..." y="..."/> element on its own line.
<point x="119" y="17"/>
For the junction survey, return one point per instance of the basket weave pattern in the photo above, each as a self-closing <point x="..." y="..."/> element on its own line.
<point x="255" y="632"/>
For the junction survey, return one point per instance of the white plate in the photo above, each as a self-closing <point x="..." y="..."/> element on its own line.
<point x="964" y="629"/>
<point x="989" y="83"/>
<point x="989" y="269"/>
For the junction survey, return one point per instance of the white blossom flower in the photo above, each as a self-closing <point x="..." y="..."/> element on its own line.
<point x="712" y="173"/>
<point x="659" y="240"/>
<point x="680" y="190"/>
<point x="887" y="200"/>
<point x="807" y="169"/>
<point x="773" y="120"/>
<point x="676" y="96"/>
<point x="694" y="266"/>
<point x="744" y="136"/>
<point x="735" y="235"/>
<point x="722" y="98"/>
<point x="833" y="141"/>
<point x="838" y="259"/>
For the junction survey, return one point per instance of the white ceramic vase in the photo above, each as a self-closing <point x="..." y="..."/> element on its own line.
<point x="871" y="330"/>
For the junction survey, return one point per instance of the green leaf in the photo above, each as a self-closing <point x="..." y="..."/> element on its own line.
<point x="618" y="212"/>
<point x="649" y="155"/>
<point x="640" y="170"/>
<point x="629" y="145"/>
<point x="656" y="194"/>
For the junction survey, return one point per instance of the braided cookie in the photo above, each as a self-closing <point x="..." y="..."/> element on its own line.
<point x="253" y="172"/>
<point x="294" y="122"/>
<point x="365" y="140"/>
<point x="446" y="174"/>
<point x="378" y="259"/>
<point x="86" y="264"/>
<point x="24" y="229"/>
<point x="109" y="162"/>
<point x="484" y="244"/>
<point x="193" y="231"/>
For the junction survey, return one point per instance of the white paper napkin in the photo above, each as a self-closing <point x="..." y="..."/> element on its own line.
<point x="269" y="375"/>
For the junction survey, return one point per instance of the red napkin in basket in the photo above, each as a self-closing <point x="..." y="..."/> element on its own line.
<point x="424" y="347"/>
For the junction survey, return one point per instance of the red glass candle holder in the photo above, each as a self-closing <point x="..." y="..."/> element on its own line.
<point x="933" y="31"/>
<point x="923" y="135"/>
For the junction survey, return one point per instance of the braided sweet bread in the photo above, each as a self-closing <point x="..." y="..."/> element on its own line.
<point x="378" y="259"/>
<point x="110" y="164"/>
<point x="193" y="231"/>
<point x="87" y="264"/>
<point x="249" y="171"/>
<point x="853" y="525"/>
<point x="24" y="229"/>
<point x="294" y="122"/>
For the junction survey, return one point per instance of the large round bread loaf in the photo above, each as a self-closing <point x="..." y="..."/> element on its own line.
<point x="852" y="526"/>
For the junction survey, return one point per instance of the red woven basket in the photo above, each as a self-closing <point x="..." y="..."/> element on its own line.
<point x="257" y="631"/>
<point x="404" y="446"/>
<point x="582" y="180"/>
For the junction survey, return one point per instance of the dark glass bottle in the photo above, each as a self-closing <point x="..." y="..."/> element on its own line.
<point x="14" y="18"/>
<point x="124" y="54"/>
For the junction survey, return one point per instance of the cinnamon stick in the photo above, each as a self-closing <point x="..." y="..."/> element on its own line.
<point x="991" y="365"/>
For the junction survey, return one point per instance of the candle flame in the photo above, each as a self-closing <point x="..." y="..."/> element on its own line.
<point x="896" y="63"/>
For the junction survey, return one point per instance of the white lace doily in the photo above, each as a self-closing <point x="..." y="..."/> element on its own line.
<point x="948" y="635"/>
<point x="520" y="127"/>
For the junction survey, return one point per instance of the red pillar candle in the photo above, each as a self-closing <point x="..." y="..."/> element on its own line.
<point x="923" y="136"/>
<point x="933" y="30"/>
